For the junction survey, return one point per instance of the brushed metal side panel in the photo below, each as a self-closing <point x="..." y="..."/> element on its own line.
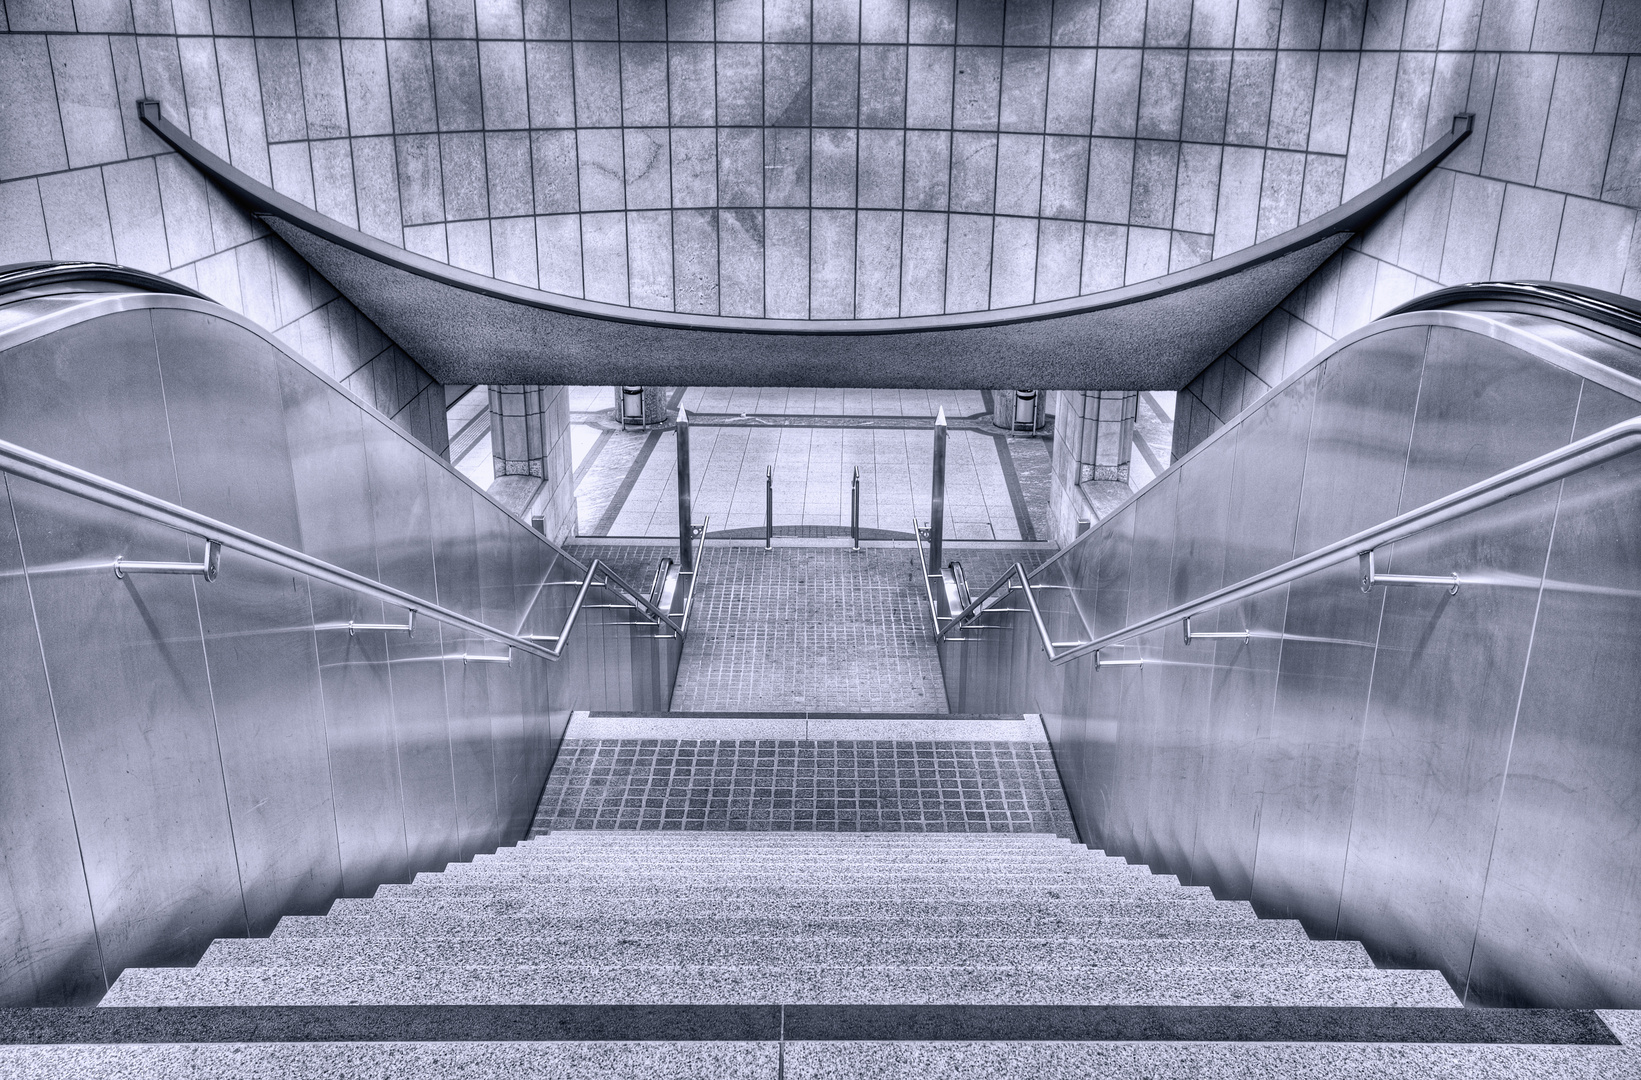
<point x="472" y="756"/>
<point x="90" y="395"/>
<point x="1448" y="669"/>
<point x="1361" y="426"/>
<point x="504" y="603"/>
<point x="1176" y="708"/>
<point x="1268" y="476"/>
<point x="1155" y="523"/>
<point x="265" y="685"/>
<point x="366" y="790"/>
<point x="1560" y="921"/>
<point x="326" y="438"/>
<point x="1112" y="571"/>
<point x="1102" y="698"/>
<point x="257" y="620"/>
<point x="401" y="523"/>
<point x="128" y="678"/>
<point x="48" y="941"/>
<point x="225" y="406"/>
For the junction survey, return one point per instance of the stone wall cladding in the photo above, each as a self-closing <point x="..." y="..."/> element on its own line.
<point x="852" y="159"/>
<point x="82" y="179"/>
<point x="1547" y="187"/>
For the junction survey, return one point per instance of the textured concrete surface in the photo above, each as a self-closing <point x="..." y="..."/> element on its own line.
<point x="1138" y="342"/>
<point x="846" y="785"/>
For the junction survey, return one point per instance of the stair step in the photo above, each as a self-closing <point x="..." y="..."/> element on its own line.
<point x="1025" y="908"/>
<point x="655" y="839"/>
<point x="891" y="862"/>
<point x="903" y="838"/>
<point x="779" y="953"/>
<point x="670" y="891"/>
<point x="1206" y="923"/>
<point x="350" y="1060"/>
<point x="660" y="984"/>
<point x="1192" y="1061"/>
<point x="642" y="877"/>
<point x="832" y="1060"/>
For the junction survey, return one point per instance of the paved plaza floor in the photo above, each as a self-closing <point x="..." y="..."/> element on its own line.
<point x="807" y="628"/>
<point x="813" y="441"/>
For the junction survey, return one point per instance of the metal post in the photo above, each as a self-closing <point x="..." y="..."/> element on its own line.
<point x="854" y="511"/>
<point x="937" y="498"/>
<point x="769" y="507"/>
<point x="686" y="555"/>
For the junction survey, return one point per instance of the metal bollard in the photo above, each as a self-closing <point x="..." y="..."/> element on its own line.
<point x="937" y="497"/>
<point x="686" y="556"/>
<point x="854" y="511"/>
<point x="769" y="507"/>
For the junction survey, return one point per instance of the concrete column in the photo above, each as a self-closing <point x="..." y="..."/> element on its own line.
<point x="517" y="439"/>
<point x="530" y="445"/>
<point x="1107" y="438"/>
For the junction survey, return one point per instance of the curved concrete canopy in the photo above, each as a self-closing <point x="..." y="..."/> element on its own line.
<point x="466" y="327"/>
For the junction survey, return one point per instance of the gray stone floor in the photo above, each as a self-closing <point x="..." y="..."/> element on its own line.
<point x="804" y="785"/>
<point x="811" y="628"/>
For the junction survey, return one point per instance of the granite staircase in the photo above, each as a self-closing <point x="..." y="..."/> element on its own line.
<point x="794" y="918"/>
<point x="912" y="914"/>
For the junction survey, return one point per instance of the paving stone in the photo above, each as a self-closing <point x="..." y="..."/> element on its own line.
<point x="804" y="785"/>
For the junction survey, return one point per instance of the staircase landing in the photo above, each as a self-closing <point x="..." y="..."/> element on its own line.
<point x="931" y="773"/>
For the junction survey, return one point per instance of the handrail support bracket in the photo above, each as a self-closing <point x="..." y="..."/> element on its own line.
<point x="1371" y="577"/>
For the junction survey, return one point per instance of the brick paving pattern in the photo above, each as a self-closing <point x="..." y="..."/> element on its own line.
<point x="810" y="629"/>
<point x="803" y="785"/>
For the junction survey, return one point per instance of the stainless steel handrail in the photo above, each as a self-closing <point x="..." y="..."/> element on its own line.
<point x="934" y="607"/>
<point x="1619" y="312"/>
<point x="1558" y="464"/>
<point x="61" y="476"/>
<point x="694" y="573"/>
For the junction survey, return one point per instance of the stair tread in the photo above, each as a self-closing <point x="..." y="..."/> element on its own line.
<point x="1193" y="924"/>
<point x="659" y="984"/>
<point x="777" y="952"/>
<point x="830" y="1060"/>
<point x="548" y="908"/>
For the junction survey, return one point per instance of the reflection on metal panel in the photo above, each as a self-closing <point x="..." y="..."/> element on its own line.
<point x="188" y="760"/>
<point x="49" y="938"/>
<point x="1455" y="779"/>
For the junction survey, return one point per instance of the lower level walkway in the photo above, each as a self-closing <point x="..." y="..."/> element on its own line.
<point x="810" y="629"/>
<point x="997" y="484"/>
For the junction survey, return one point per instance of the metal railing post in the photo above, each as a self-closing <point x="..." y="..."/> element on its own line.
<point x="937" y="506"/>
<point x="854" y="511"/>
<point x="769" y="507"/>
<point x="686" y="555"/>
